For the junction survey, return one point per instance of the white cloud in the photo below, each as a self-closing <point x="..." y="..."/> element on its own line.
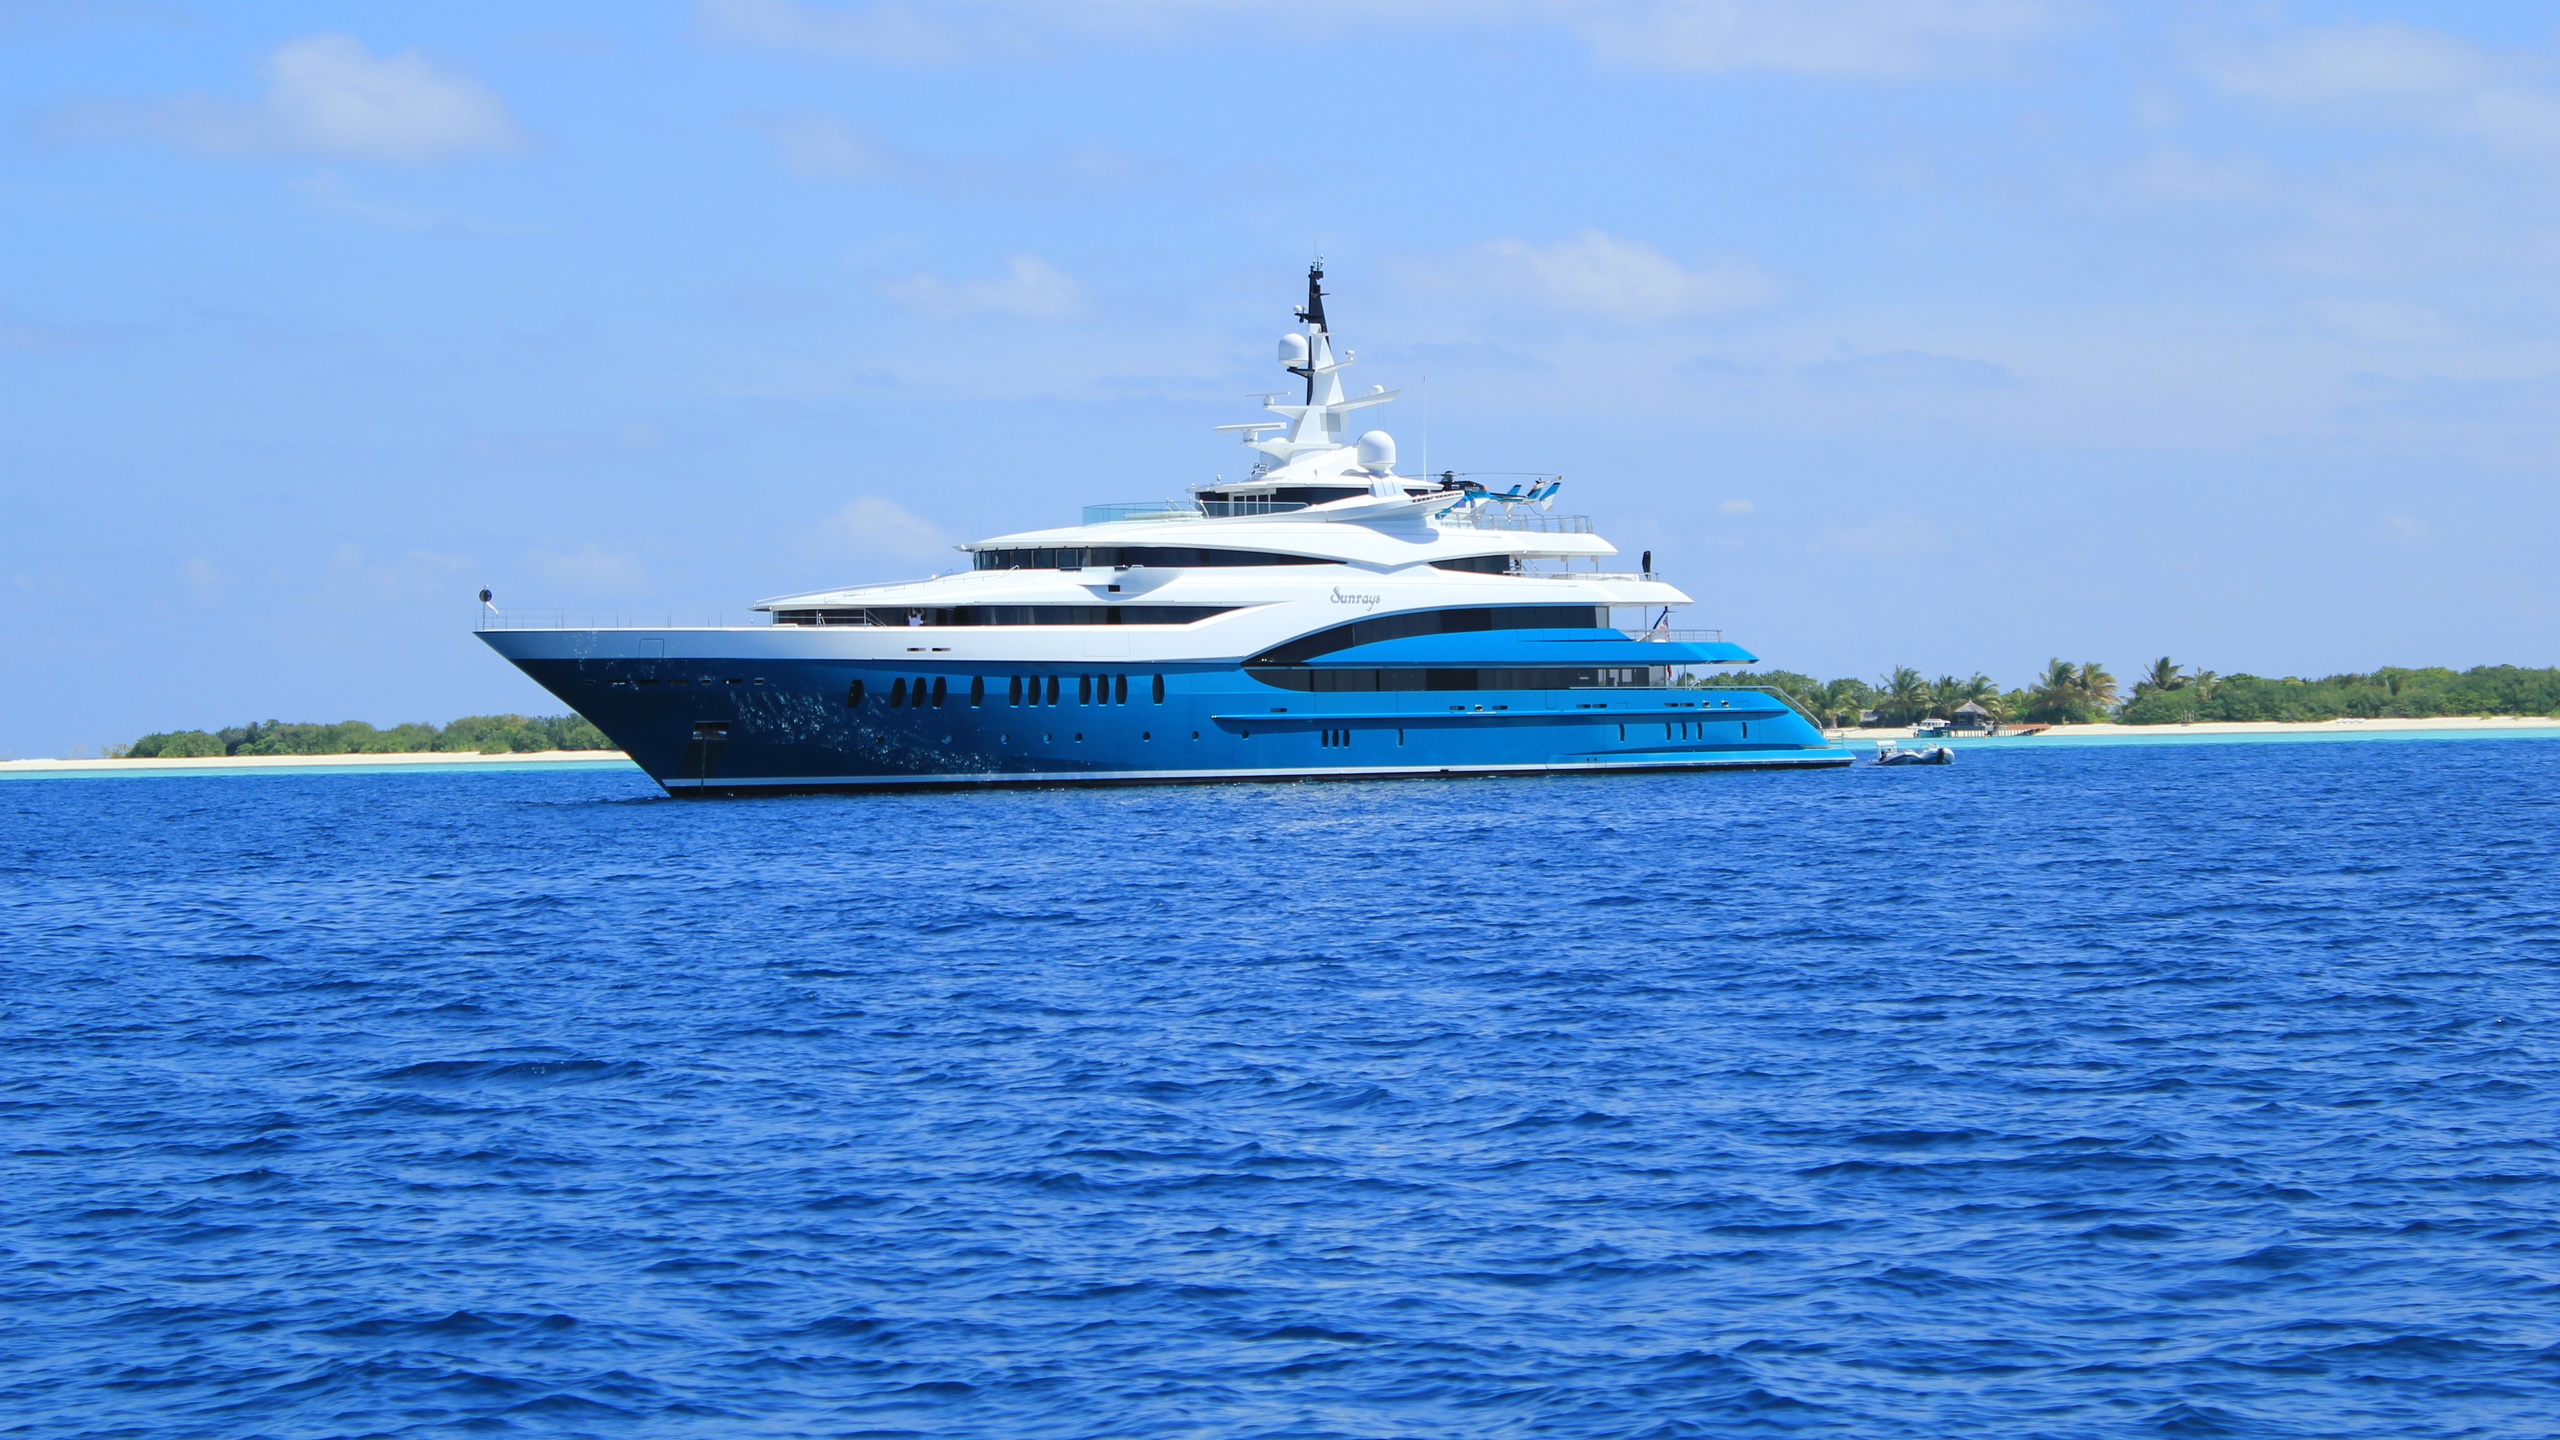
<point x="327" y="95"/>
<point x="1030" y="288"/>
<point x="2398" y="72"/>
<point x="822" y="146"/>
<point x="1820" y="37"/>
<point x="1596" y="273"/>
<point x="2355" y="62"/>
<point x="1813" y="37"/>
<point x="873" y="526"/>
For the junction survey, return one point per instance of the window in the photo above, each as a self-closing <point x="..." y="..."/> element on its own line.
<point x="941" y="684"/>
<point x="1481" y="564"/>
<point x="1084" y="689"/>
<point x="1159" y="689"/>
<point x="1053" y="689"/>
<point x="1327" y="681"/>
<point x="1160" y="557"/>
<point x="852" y="695"/>
<point x="1466" y="620"/>
<point x="1013" y="691"/>
<point x="898" y="692"/>
<point x="977" y="691"/>
<point x="1004" y="615"/>
<point x="1119" y="689"/>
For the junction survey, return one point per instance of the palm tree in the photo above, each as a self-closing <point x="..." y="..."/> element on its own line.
<point x="2163" y="675"/>
<point x="1906" y="695"/>
<point x="2096" y="685"/>
<point x="1945" y="694"/>
<point x="2057" y="694"/>
<point x="2202" y="682"/>
<point x="1980" y="690"/>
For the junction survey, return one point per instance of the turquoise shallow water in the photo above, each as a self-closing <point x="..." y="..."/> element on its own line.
<point x="2189" y="1089"/>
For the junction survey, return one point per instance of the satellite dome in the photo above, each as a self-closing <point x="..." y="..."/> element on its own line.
<point x="1377" y="452"/>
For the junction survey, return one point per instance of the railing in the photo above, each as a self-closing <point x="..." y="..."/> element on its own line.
<point x="616" y="620"/>
<point x="1678" y="637"/>
<point x="1532" y="521"/>
<point x="1133" y="510"/>
<point x="1653" y="575"/>
<point x="1140" y="510"/>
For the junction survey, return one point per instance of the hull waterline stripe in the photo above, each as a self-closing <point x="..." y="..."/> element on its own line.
<point x="1177" y="777"/>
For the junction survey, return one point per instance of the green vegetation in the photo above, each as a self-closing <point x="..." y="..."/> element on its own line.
<point x="2483" y="690"/>
<point x="2069" y="693"/>
<point x="485" y="734"/>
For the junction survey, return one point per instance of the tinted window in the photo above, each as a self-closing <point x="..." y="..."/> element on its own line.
<point x="1331" y="681"/>
<point x="1157" y="556"/>
<point x="1434" y="622"/>
<point x="896" y="615"/>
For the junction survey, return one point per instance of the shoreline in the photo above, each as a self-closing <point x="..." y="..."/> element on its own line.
<point x="2435" y="726"/>
<point x="250" y="764"/>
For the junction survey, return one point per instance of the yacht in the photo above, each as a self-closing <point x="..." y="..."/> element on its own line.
<point x="1326" y="616"/>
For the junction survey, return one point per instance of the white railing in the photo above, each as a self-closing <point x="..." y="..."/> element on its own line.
<point x="614" y="620"/>
<point x="1650" y="575"/>
<point x="1532" y="521"/>
<point x="1677" y="637"/>
<point x="1135" y="510"/>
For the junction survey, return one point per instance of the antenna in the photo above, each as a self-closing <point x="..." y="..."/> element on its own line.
<point x="1313" y="314"/>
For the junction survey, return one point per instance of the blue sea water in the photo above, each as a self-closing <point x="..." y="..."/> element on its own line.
<point x="2194" y="1090"/>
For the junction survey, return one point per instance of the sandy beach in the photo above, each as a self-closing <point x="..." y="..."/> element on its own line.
<point x="395" y="761"/>
<point x="2239" y="729"/>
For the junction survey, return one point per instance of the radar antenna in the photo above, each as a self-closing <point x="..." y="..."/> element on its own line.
<point x="1312" y="313"/>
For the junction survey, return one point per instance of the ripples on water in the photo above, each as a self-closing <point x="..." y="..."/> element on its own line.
<point x="2076" y="1093"/>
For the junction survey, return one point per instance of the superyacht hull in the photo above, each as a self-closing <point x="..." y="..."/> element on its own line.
<point x="718" y="717"/>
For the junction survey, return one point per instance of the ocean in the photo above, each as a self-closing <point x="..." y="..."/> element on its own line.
<point x="2194" y="1090"/>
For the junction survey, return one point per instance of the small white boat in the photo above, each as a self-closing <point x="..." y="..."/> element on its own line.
<point x="1889" y="752"/>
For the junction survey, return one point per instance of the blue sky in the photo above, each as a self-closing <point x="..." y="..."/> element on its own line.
<point x="1951" y="333"/>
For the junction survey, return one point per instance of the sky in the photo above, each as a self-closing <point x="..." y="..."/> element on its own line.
<point x="1958" y="334"/>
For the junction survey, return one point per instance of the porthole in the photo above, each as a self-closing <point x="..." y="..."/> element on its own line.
<point x="1159" y="689"/>
<point x="852" y="695"/>
<point x="977" y="691"/>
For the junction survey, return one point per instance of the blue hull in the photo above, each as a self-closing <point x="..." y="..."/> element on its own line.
<point x="771" y="725"/>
